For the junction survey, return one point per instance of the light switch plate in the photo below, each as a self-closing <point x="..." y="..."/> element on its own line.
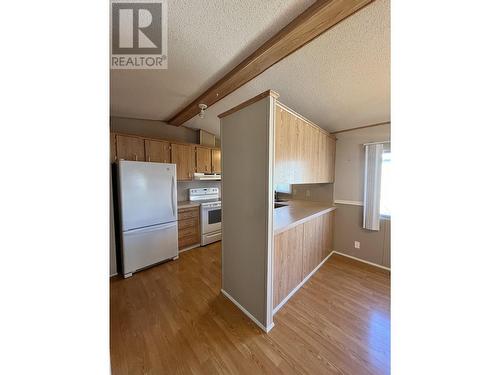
<point x="357" y="244"/>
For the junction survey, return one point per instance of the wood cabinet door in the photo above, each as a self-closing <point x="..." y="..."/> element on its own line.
<point x="112" y="148"/>
<point x="203" y="160"/>
<point x="216" y="164"/>
<point x="318" y="241"/>
<point x="183" y="157"/>
<point x="288" y="167"/>
<point x="302" y="152"/>
<point x="189" y="226"/>
<point x="327" y="234"/>
<point x="288" y="247"/>
<point x="313" y="245"/>
<point x="326" y="166"/>
<point x="280" y="144"/>
<point x="322" y="167"/>
<point x="157" y="151"/>
<point x="312" y="160"/>
<point x="130" y="148"/>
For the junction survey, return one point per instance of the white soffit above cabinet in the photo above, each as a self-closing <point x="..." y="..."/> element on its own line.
<point x="340" y="80"/>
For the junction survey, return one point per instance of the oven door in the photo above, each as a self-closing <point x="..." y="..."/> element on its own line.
<point x="211" y="219"/>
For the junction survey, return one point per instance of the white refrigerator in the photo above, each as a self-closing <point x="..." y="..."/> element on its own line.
<point x="148" y="214"/>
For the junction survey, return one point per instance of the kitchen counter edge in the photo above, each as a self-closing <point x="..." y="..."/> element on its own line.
<point x="321" y="210"/>
<point x="187" y="204"/>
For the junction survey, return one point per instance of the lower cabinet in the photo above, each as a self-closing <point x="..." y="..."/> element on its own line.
<point x="298" y="251"/>
<point x="188" y="226"/>
<point x="318" y="241"/>
<point x="288" y="256"/>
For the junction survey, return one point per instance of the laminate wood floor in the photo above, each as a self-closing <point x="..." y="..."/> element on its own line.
<point x="172" y="319"/>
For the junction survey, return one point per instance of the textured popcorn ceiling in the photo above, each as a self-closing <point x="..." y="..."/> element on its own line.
<point x="339" y="80"/>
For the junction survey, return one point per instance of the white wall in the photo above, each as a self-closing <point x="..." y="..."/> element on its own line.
<point x="349" y="185"/>
<point x="152" y="129"/>
<point x="247" y="206"/>
<point x="350" y="159"/>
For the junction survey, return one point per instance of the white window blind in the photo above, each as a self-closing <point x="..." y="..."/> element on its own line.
<point x="385" y="189"/>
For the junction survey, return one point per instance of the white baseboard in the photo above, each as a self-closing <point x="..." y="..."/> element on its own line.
<point x="300" y="285"/>
<point x="363" y="261"/>
<point x="352" y="203"/>
<point x="189" y="248"/>
<point x="253" y="318"/>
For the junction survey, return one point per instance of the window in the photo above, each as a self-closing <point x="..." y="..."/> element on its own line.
<point x="386" y="183"/>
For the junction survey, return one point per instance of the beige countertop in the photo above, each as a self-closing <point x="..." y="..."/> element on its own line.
<point x="187" y="204"/>
<point x="297" y="212"/>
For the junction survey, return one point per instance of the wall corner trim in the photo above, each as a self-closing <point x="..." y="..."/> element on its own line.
<point x="363" y="261"/>
<point x="253" y="318"/>
<point x="352" y="203"/>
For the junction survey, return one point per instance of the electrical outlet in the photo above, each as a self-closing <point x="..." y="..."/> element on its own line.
<point x="308" y="193"/>
<point x="357" y="244"/>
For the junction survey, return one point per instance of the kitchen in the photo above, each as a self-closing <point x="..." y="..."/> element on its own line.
<point x="225" y="187"/>
<point x="242" y="174"/>
<point x="195" y="196"/>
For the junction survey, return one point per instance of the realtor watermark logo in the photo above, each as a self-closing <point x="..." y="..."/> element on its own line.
<point x="139" y="34"/>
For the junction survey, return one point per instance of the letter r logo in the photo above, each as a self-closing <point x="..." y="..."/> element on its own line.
<point x="137" y="28"/>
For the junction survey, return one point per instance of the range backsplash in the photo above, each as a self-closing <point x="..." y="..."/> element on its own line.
<point x="184" y="186"/>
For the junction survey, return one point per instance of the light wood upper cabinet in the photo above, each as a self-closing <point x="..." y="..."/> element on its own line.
<point x="216" y="164"/>
<point x="189" y="158"/>
<point x="130" y="148"/>
<point x="280" y="149"/>
<point x="203" y="160"/>
<point x="303" y="152"/>
<point x="312" y="165"/>
<point x="183" y="157"/>
<point x="112" y="148"/>
<point x="287" y="148"/>
<point x="157" y="151"/>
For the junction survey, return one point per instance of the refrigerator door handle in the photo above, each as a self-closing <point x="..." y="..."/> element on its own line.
<point x="151" y="228"/>
<point x="174" y="203"/>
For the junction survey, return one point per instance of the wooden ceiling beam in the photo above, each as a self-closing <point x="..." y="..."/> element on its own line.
<point x="310" y="24"/>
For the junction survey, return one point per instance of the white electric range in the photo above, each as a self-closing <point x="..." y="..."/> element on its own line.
<point x="210" y="213"/>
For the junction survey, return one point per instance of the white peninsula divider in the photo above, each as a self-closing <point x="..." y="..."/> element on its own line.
<point x="247" y="144"/>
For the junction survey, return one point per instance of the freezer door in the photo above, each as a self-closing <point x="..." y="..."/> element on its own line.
<point x="147" y="246"/>
<point x="148" y="193"/>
